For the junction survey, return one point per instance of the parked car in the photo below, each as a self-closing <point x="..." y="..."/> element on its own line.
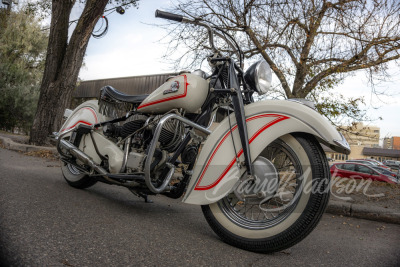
<point x="363" y="161"/>
<point x="394" y="164"/>
<point x="359" y="171"/>
<point x="369" y="162"/>
<point x="387" y="172"/>
<point x="380" y="164"/>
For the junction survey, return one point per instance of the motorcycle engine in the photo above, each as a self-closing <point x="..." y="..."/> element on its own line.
<point x="171" y="135"/>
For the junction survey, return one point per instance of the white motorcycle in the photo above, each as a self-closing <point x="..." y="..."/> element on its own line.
<point x="260" y="175"/>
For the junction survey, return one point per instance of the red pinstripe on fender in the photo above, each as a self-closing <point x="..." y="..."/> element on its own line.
<point x="232" y="162"/>
<point x="82" y="121"/>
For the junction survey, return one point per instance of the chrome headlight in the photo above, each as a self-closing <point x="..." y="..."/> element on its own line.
<point x="259" y="77"/>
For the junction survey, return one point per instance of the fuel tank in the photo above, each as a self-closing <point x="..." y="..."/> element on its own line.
<point x="186" y="91"/>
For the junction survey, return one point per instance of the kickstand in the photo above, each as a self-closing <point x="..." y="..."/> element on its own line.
<point x="142" y="195"/>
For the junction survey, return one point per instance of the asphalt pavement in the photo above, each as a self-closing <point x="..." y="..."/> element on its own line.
<point x="45" y="222"/>
<point x="369" y="211"/>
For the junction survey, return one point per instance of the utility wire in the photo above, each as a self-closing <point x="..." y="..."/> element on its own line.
<point x="110" y="9"/>
<point x="104" y="32"/>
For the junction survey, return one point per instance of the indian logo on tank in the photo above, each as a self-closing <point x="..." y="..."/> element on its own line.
<point x="174" y="88"/>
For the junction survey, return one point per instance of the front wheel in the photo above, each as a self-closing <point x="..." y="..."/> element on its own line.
<point x="284" y="202"/>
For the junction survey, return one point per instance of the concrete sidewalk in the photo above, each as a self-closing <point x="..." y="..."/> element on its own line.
<point x="361" y="211"/>
<point x="10" y="144"/>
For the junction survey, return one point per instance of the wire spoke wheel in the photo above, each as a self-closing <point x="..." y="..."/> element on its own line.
<point x="282" y="186"/>
<point x="277" y="208"/>
<point x="75" y="178"/>
<point x="73" y="170"/>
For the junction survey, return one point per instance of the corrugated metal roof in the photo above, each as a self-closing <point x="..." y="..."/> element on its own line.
<point x="134" y="85"/>
<point x="371" y="151"/>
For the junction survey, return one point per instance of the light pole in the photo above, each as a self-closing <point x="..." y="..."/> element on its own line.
<point x="8" y="3"/>
<point x="4" y="12"/>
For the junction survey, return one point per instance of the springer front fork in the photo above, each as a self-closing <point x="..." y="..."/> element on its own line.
<point x="238" y="106"/>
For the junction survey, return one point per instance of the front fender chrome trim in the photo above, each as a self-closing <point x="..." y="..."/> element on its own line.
<point x="304" y="102"/>
<point x="343" y="146"/>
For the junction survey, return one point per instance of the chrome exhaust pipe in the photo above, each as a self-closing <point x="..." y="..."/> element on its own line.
<point x="87" y="160"/>
<point x="74" y="151"/>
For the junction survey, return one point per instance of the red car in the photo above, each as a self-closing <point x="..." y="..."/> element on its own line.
<point x="359" y="171"/>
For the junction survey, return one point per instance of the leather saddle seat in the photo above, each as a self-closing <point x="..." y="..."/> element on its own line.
<point x="110" y="94"/>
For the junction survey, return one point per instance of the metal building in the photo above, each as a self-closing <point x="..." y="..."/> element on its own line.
<point x="135" y="85"/>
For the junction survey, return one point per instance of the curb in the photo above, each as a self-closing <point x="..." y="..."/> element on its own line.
<point x="363" y="212"/>
<point x="11" y="145"/>
<point x="334" y="207"/>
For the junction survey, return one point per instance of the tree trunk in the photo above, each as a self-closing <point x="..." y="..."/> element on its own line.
<point x="63" y="62"/>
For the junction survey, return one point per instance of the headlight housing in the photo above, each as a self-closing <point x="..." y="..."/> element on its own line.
<point x="259" y="76"/>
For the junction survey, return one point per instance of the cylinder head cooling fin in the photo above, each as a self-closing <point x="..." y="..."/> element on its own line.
<point x="171" y="135"/>
<point x="130" y="127"/>
<point x="133" y="124"/>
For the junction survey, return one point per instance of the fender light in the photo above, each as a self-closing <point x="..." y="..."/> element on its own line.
<point x="67" y="113"/>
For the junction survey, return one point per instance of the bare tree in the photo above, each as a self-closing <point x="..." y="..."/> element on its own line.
<point x="311" y="45"/>
<point x="63" y="61"/>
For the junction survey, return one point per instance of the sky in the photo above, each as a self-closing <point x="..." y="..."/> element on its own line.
<point x="132" y="47"/>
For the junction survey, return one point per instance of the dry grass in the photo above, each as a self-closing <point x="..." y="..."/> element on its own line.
<point x="42" y="154"/>
<point x="375" y="193"/>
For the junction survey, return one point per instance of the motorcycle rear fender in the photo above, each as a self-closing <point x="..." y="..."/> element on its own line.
<point x="87" y="113"/>
<point x="216" y="170"/>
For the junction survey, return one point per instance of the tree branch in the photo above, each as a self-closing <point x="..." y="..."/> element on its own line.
<point x="302" y="67"/>
<point x="276" y="70"/>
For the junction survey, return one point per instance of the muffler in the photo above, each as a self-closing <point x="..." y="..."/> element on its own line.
<point x="74" y="151"/>
<point x="86" y="159"/>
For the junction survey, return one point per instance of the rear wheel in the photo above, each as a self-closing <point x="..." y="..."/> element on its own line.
<point x="282" y="205"/>
<point x="75" y="178"/>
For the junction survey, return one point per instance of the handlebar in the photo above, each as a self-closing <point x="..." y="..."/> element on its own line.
<point x="180" y="18"/>
<point x="211" y="32"/>
<point x="167" y="15"/>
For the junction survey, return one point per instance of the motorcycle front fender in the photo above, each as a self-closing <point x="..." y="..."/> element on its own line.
<point x="217" y="171"/>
